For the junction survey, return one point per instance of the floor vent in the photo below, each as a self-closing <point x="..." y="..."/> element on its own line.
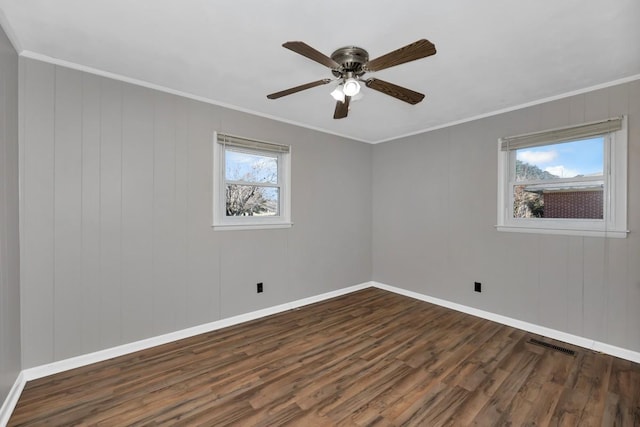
<point x="552" y="347"/>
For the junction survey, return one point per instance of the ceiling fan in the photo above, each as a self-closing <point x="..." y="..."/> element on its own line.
<point x="349" y="64"/>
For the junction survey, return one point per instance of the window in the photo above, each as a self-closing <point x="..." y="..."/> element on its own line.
<point x="250" y="184"/>
<point x="571" y="180"/>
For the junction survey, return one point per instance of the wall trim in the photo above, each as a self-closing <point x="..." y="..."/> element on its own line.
<point x="12" y="399"/>
<point x="517" y="107"/>
<point x="99" y="72"/>
<point x="121" y="350"/>
<point x="86" y="359"/>
<point x="101" y="355"/>
<point x="11" y="34"/>
<point x="143" y="83"/>
<point x="555" y="334"/>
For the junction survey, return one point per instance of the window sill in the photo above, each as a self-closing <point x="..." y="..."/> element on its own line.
<point x="235" y="227"/>
<point x="618" y="234"/>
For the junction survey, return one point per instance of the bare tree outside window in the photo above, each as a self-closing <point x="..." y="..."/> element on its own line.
<point x="252" y="184"/>
<point x="528" y="204"/>
<point x="247" y="200"/>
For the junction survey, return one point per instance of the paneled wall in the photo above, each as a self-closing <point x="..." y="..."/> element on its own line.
<point x="117" y="242"/>
<point x="434" y="212"/>
<point x="9" y="245"/>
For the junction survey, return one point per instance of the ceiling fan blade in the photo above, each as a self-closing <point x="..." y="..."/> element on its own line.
<point x="305" y="50"/>
<point x="298" y="89"/>
<point x="416" y="50"/>
<point x="402" y="93"/>
<point x="342" y="108"/>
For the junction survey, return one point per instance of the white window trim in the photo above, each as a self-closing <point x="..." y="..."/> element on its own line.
<point x="221" y="222"/>
<point x="615" y="184"/>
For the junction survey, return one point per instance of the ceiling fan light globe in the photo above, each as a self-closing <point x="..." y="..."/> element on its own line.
<point x="357" y="97"/>
<point x="351" y="87"/>
<point x="338" y="94"/>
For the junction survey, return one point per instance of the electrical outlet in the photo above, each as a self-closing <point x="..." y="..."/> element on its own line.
<point x="260" y="287"/>
<point x="477" y="286"/>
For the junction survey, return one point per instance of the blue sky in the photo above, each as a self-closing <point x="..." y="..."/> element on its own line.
<point x="569" y="159"/>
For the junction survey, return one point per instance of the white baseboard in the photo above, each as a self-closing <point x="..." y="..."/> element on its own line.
<point x="99" y="356"/>
<point x="121" y="350"/>
<point x="12" y="399"/>
<point x="588" y="343"/>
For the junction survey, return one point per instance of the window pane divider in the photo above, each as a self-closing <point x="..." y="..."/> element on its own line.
<point x="252" y="184"/>
<point x="576" y="179"/>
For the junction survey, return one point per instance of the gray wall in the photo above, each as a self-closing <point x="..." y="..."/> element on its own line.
<point x="434" y="211"/>
<point x="117" y="243"/>
<point x="116" y="214"/>
<point x="9" y="246"/>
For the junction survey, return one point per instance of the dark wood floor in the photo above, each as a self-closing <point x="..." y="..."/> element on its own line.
<point x="367" y="358"/>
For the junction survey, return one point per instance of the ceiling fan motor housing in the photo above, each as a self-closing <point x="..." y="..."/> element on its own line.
<point x="351" y="60"/>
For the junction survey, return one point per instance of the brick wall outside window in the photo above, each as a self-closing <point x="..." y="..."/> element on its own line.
<point x="573" y="204"/>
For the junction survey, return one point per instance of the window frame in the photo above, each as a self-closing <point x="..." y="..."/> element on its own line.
<point x="262" y="148"/>
<point x="614" y="223"/>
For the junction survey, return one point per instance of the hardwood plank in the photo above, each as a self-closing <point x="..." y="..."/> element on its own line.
<point x="596" y="401"/>
<point x="363" y="359"/>
<point x="478" y="399"/>
<point x="505" y="394"/>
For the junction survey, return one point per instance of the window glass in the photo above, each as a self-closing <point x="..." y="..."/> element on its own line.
<point x="250" y="200"/>
<point x="560" y="180"/>
<point x="579" y="202"/>
<point x="248" y="167"/>
<point x="261" y="169"/>
<point x="565" y="160"/>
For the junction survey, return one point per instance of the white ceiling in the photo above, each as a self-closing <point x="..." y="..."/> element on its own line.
<point x="493" y="55"/>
